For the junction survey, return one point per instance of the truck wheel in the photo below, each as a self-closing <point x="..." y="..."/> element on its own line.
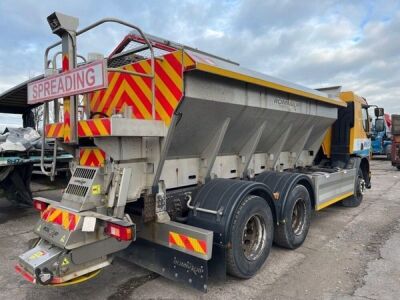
<point x="251" y="235"/>
<point x="297" y="215"/>
<point x="356" y="199"/>
<point x="398" y="167"/>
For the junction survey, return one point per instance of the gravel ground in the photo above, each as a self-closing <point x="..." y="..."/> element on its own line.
<point x="349" y="253"/>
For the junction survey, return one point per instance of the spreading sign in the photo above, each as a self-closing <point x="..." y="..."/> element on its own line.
<point x="88" y="78"/>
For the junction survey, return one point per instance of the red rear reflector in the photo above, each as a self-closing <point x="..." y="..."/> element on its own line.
<point x="25" y="274"/>
<point x="39" y="205"/>
<point x="120" y="232"/>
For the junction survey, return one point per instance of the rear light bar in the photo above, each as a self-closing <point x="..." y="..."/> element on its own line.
<point x="39" y="205"/>
<point x="119" y="232"/>
<point x="25" y="274"/>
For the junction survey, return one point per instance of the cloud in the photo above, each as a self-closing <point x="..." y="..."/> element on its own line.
<point x="348" y="43"/>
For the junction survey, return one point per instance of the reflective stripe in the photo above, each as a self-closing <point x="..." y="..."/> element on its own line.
<point x="334" y="200"/>
<point x="187" y="242"/>
<point x="135" y="91"/>
<point x="91" y="157"/>
<point x="61" y="217"/>
<point x="55" y="130"/>
<point x="94" y="127"/>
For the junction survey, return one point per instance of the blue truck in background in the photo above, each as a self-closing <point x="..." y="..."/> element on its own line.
<point x="381" y="138"/>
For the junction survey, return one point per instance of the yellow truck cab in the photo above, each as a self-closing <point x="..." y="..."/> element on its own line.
<point x="348" y="138"/>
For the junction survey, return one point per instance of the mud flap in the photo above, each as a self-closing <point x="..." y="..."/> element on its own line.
<point x="169" y="263"/>
<point x="217" y="264"/>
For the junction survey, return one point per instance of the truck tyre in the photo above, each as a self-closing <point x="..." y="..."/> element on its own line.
<point x="297" y="215"/>
<point x="251" y="235"/>
<point x="356" y="199"/>
<point x="398" y="167"/>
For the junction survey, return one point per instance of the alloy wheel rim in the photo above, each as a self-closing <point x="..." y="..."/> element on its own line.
<point x="298" y="216"/>
<point x="254" y="238"/>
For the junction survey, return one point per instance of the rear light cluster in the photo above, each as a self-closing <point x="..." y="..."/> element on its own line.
<point x="123" y="233"/>
<point x="119" y="232"/>
<point x="39" y="205"/>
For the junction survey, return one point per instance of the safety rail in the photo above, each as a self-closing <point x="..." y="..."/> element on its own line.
<point x="56" y="118"/>
<point x="46" y="62"/>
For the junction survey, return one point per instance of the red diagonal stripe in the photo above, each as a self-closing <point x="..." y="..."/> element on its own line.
<point x="89" y="161"/>
<point x="187" y="243"/>
<point x="171" y="239"/>
<point x="96" y="162"/>
<point x="94" y="105"/>
<point x="164" y="102"/>
<point x="175" y="64"/>
<point x="47" y="213"/>
<point x="125" y="99"/>
<point x="47" y="129"/>
<point x="112" y="94"/>
<point x="57" y="130"/>
<point x="159" y="95"/>
<point x="74" y="223"/>
<point x="93" y="128"/>
<point x="158" y="116"/>
<point x="138" y="68"/>
<point x="92" y="160"/>
<point x="71" y="221"/>
<point x="80" y="130"/>
<point x="107" y="125"/>
<point x="168" y="82"/>
<point x="58" y="219"/>
<point x="203" y="245"/>
<point x="142" y="97"/>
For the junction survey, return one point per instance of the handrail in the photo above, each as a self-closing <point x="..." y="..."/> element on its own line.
<point x="152" y="76"/>
<point x="129" y="72"/>
<point x="45" y="115"/>
<point x="114" y="20"/>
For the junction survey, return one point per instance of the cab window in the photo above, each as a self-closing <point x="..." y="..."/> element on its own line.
<point x="365" y="119"/>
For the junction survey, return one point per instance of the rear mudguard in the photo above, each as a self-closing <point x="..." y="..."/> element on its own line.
<point x="223" y="196"/>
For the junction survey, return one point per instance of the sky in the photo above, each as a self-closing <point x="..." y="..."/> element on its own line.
<point x="355" y="44"/>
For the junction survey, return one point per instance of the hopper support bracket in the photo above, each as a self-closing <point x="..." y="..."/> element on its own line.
<point x="210" y="153"/>
<point x="248" y="150"/>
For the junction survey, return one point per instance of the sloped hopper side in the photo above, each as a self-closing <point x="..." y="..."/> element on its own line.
<point x="293" y="124"/>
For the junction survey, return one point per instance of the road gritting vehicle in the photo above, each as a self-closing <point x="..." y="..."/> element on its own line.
<point x="381" y="138"/>
<point x="187" y="164"/>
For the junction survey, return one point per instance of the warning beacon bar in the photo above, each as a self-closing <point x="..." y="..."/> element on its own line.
<point x="88" y="78"/>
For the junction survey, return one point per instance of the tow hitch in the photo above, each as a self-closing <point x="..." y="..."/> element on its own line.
<point x="44" y="276"/>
